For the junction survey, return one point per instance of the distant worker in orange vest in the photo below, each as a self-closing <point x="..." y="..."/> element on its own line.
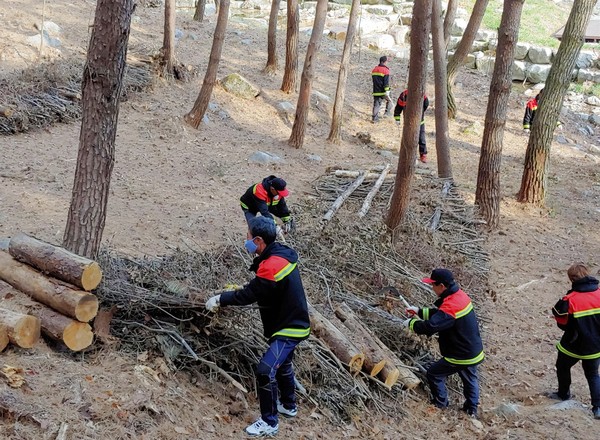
<point x="381" y="89"/>
<point x="530" y="111"/>
<point x="400" y="106"/>
<point x="268" y="199"/>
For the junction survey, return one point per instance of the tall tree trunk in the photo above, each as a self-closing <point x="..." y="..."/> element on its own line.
<point x="101" y="91"/>
<point x="487" y="195"/>
<point x="272" y="62"/>
<point x="194" y="117"/>
<point x="442" y="147"/>
<point x="335" y="133"/>
<point x="419" y="36"/>
<point x="168" y="48"/>
<point x="308" y="73"/>
<point x="290" y="74"/>
<point x="462" y="50"/>
<point x="537" y="157"/>
<point x="449" y="20"/>
<point x="199" y="13"/>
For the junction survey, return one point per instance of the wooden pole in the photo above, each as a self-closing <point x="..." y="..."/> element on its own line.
<point x="342" y="198"/>
<point x="23" y="330"/>
<point x="367" y="203"/>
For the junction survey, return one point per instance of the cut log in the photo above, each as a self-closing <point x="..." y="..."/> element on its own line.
<point x="74" y="334"/>
<point x="344" y="349"/>
<point x="373" y="176"/>
<point x="23" y="330"/>
<point x="56" y="261"/>
<point x="6" y="112"/>
<point x="394" y="369"/>
<point x="342" y="198"/>
<point x="367" y="203"/>
<point x="77" y="304"/>
<point x="3" y="337"/>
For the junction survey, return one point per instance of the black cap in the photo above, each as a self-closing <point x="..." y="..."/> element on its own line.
<point x="443" y="276"/>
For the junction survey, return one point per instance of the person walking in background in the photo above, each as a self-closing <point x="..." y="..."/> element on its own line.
<point x="400" y="106"/>
<point x="268" y="199"/>
<point x="530" y="110"/>
<point x="453" y="318"/>
<point x="277" y="290"/>
<point x="381" y="89"/>
<point x="578" y="314"/>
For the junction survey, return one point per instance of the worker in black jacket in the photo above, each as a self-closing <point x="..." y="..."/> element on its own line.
<point x="453" y="318"/>
<point x="268" y="198"/>
<point x="277" y="289"/>
<point x="400" y="106"/>
<point x="530" y="111"/>
<point x="381" y="89"/>
<point x="578" y="314"/>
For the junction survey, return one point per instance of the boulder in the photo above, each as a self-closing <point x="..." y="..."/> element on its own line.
<point x="493" y="44"/>
<point x="594" y="119"/>
<point x="50" y="28"/>
<point x="458" y="27"/>
<point x="286" y="111"/>
<point x="588" y="75"/>
<point x="585" y="60"/>
<point x="406" y="19"/>
<point x="237" y="85"/>
<point x="521" y="50"/>
<point x="400" y="34"/>
<point x="264" y="157"/>
<point x="593" y="100"/>
<point x="540" y="55"/>
<point x="379" y="42"/>
<point x="471" y="59"/>
<point x="338" y="34"/>
<point x="453" y="42"/>
<point x="519" y="71"/>
<point x="379" y="9"/>
<point x="478" y="46"/>
<point x="372" y="25"/>
<point x="485" y="35"/>
<point x="538" y="73"/>
<point x="485" y="64"/>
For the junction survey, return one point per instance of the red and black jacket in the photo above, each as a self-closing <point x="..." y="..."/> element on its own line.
<point x="454" y="320"/>
<point x="401" y="105"/>
<point x="578" y="314"/>
<point x="278" y="291"/>
<point x="381" y="80"/>
<point x="530" y="110"/>
<point x="258" y="198"/>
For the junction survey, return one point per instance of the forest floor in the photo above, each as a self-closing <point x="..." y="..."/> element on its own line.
<point x="175" y="186"/>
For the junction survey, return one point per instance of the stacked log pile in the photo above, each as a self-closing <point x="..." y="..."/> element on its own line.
<point x="53" y="285"/>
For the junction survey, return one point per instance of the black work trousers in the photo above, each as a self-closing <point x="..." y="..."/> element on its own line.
<point x="564" y="364"/>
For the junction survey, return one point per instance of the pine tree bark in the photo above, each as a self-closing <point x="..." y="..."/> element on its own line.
<point x="272" y="61"/>
<point x="194" y="117"/>
<point x="442" y="146"/>
<point x="412" y="115"/>
<point x="487" y="194"/>
<point x="168" y="48"/>
<point x="101" y="91"/>
<point x="335" y="133"/>
<point x="200" y="8"/>
<point x="290" y="73"/>
<point x="308" y="72"/>
<point x="449" y="20"/>
<point x="457" y="60"/>
<point x="537" y="157"/>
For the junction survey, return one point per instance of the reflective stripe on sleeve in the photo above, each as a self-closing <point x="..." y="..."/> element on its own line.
<point x="586" y="313"/>
<point x="425" y="313"/>
<point x="288" y="268"/>
<point x="464" y="311"/>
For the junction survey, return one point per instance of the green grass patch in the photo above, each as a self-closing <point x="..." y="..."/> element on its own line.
<point x="587" y="88"/>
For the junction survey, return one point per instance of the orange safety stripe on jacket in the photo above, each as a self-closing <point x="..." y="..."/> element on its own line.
<point x="270" y="267"/>
<point x="260" y="192"/>
<point x="456" y="303"/>
<point x="532" y="104"/>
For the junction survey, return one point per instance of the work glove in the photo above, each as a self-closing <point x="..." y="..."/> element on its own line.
<point x="412" y="311"/>
<point x="398" y="122"/>
<point x="526" y="131"/>
<point x="406" y="322"/>
<point x="388" y="94"/>
<point x="212" y="305"/>
<point x="288" y="226"/>
<point x="278" y="230"/>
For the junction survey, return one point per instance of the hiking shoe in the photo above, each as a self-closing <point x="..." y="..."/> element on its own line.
<point x="386" y="115"/>
<point x="260" y="428"/>
<point x="556" y="396"/>
<point x="423" y="158"/>
<point x="293" y="412"/>
<point x="596" y="412"/>
<point x="471" y="412"/>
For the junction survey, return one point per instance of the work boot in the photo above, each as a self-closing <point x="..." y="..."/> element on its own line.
<point x="596" y="412"/>
<point x="423" y="158"/>
<point x="386" y="115"/>
<point x="286" y="412"/>
<point x="471" y="412"/>
<point x="260" y="428"/>
<point x="556" y="396"/>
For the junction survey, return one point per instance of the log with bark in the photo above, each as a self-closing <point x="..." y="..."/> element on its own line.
<point x="23" y="330"/>
<point x="342" y="198"/>
<point x="74" y="303"/>
<point x="394" y="369"/>
<point x="74" y="334"/>
<point x="369" y="199"/>
<point x="56" y="261"/>
<point x="343" y="348"/>
<point x="3" y="337"/>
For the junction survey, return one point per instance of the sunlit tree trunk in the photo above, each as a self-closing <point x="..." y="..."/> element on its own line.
<point x="442" y="147"/>
<point x="308" y="73"/>
<point x="537" y="157"/>
<point x="462" y="50"/>
<point x="168" y="49"/>
<point x="194" y="117"/>
<point x="290" y="74"/>
<point x="487" y="194"/>
<point x="101" y="88"/>
<point x="272" y="62"/>
<point x="199" y="13"/>
<point x="419" y="36"/>
<point x="449" y="20"/>
<point x="335" y="133"/>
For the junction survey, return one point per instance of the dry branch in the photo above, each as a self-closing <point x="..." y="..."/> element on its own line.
<point x="23" y="330"/>
<point x="4" y="340"/>
<point x="340" y="200"/>
<point x="56" y="261"/>
<point x="369" y="199"/>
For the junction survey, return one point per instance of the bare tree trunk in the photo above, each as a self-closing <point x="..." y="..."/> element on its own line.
<point x="168" y="48"/>
<point x="308" y="72"/>
<point x="449" y="20"/>
<point x="217" y="7"/>
<point x="290" y="74"/>
<point x="101" y="91"/>
<point x="487" y="195"/>
<point x="442" y="147"/>
<point x="412" y="116"/>
<point x="462" y="50"/>
<point x="272" y="62"/>
<point x="199" y="13"/>
<point x="194" y="117"/>
<point x="537" y="157"/>
<point x="335" y="133"/>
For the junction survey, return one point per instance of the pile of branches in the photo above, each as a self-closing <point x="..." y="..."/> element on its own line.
<point x="161" y="300"/>
<point x="45" y="94"/>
